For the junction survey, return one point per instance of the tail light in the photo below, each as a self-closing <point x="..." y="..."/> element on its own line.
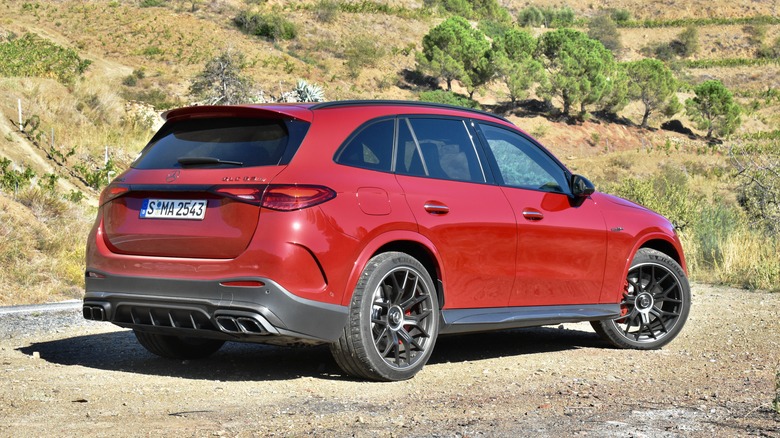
<point x="112" y="192"/>
<point x="279" y="197"/>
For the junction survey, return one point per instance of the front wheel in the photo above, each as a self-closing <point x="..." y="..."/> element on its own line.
<point x="655" y="304"/>
<point x="393" y="320"/>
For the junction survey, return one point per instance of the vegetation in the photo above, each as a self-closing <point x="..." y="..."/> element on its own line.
<point x="534" y="16"/>
<point x="685" y="45"/>
<point x="652" y="83"/>
<point x="448" y="98"/>
<point x="713" y="109"/>
<point x="31" y="55"/>
<point x="758" y="171"/>
<point x="577" y="68"/>
<point x="473" y="9"/>
<point x="604" y="29"/>
<point x="515" y="63"/>
<point x="273" y="26"/>
<point x="222" y="82"/>
<point x="362" y="51"/>
<point x="704" y="21"/>
<point x="454" y="50"/>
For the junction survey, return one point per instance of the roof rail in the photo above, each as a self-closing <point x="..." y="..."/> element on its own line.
<point x="347" y="103"/>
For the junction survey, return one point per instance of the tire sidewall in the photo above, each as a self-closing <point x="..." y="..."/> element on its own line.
<point x="646" y="256"/>
<point x="379" y="267"/>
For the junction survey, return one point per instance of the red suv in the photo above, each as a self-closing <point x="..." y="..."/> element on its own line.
<point x="373" y="226"/>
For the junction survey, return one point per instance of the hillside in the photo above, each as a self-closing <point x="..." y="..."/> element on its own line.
<point x="143" y="57"/>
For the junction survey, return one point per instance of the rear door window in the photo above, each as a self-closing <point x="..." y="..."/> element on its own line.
<point x="217" y="143"/>
<point x="437" y="148"/>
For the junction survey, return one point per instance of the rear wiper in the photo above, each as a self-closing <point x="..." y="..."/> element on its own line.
<point x="195" y="161"/>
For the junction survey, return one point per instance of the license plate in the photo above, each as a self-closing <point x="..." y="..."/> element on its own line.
<point x="173" y="209"/>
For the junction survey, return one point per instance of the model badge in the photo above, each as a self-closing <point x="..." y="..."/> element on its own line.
<point x="173" y="176"/>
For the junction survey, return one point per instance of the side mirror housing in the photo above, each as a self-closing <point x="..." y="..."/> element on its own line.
<point x="581" y="188"/>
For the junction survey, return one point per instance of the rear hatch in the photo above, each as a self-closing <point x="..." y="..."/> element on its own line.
<point x="196" y="188"/>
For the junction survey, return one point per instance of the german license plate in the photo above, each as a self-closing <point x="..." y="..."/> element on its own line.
<point x="173" y="209"/>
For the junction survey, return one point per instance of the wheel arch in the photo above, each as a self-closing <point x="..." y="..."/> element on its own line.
<point x="667" y="248"/>
<point x="407" y="242"/>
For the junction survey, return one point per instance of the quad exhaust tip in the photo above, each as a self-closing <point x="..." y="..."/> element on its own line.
<point x="94" y="312"/>
<point x="241" y="325"/>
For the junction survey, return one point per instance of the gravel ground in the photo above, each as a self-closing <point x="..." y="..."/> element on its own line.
<point x="64" y="376"/>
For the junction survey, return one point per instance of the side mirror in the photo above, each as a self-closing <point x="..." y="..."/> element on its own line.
<point x="581" y="188"/>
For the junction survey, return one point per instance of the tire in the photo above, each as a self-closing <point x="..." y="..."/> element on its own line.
<point x="175" y="347"/>
<point x="655" y="304"/>
<point x="393" y="321"/>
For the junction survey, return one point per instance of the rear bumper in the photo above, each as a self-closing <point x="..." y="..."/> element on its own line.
<point x="209" y="309"/>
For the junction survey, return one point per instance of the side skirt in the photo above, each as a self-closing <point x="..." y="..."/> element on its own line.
<point x="501" y="318"/>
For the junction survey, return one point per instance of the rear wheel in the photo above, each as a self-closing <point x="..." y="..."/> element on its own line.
<point x="175" y="347"/>
<point x="393" y="321"/>
<point x="655" y="304"/>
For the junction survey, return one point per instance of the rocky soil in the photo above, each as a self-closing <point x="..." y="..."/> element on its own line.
<point x="63" y="376"/>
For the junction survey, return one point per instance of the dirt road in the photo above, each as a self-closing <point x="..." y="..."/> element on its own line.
<point x="62" y="376"/>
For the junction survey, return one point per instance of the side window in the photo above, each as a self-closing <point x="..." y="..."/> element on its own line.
<point x="522" y="164"/>
<point x="371" y="148"/>
<point x="437" y="148"/>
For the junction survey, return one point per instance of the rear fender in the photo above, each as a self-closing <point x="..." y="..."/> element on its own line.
<point x="373" y="247"/>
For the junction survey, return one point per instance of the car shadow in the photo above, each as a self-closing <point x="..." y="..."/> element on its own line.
<point x="119" y="351"/>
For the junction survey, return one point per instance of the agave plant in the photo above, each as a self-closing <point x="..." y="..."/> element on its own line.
<point x="303" y="92"/>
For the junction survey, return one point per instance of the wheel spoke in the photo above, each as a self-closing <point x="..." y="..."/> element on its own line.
<point x="659" y="318"/>
<point x="665" y="294"/>
<point x="408" y="340"/>
<point x="413" y="301"/>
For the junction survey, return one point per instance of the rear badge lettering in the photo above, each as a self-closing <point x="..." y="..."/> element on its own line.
<point x="243" y="179"/>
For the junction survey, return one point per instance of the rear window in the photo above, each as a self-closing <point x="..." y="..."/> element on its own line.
<point x="222" y="142"/>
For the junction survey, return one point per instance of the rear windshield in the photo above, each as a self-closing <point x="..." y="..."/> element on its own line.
<point x="222" y="142"/>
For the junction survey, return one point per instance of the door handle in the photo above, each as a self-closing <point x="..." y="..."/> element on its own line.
<point x="533" y="215"/>
<point x="434" y="207"/>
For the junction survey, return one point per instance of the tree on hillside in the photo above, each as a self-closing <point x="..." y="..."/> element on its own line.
<point x="604" y="29"/>
<point x="473" y="9"/>
<point x="616" y="98"/>
<point x="221" y="82"/>
<point x="454" y="50"/>
<point x="652" y="83"/>
<point x="578" y="68"/>
<point x="713" y="108"/>
<point x="515" y="64"/>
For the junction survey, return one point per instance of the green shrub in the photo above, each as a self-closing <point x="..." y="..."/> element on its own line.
<point x="770" y="51"/>
<point x="448" y="98"/>
<point x="604" y="29"/>
<point x="13" y="179"/>
<point x="152" y="3"/>
<point x="620" y="15"/>
<point x="272" y="26"/>
<point x="687" y="42"/>
<point x="362" y="51"/>
<point x="667" y="193"/>
<point x="533" y="16"/>
<point x="33" y="56"/>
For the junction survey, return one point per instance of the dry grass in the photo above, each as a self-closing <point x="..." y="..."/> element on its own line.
<point x="41" y="248"/>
